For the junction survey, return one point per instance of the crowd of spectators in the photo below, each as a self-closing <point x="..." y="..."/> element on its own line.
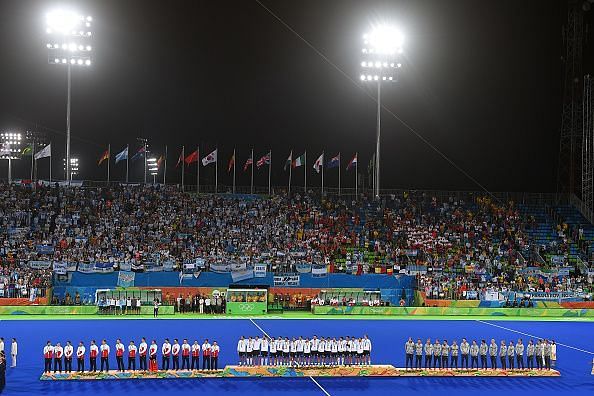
<point x="136" y="224"/>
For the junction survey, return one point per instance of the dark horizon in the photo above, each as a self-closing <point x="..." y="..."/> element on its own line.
<point x="481" y="82"/>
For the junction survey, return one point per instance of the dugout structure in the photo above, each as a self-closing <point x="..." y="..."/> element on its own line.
<point x="247" y="301"/>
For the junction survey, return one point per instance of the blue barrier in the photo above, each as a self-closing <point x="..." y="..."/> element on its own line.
<point x="211" y="279"/>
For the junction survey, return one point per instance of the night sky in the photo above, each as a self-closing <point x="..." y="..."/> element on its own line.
<point x="481" y="82"/>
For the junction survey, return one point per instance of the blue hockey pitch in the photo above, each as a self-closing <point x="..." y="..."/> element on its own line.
<point x="575" y="353"/>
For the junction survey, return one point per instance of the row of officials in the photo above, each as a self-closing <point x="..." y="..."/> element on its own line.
<point x="188" y="354"/>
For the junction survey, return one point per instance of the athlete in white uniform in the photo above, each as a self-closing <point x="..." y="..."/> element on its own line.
<point x="314" y="350"/>
<point x="322" y="352"/>
<point x="334" y="351"/>
<point x="264" y="350"/>
<point x="273" y="344"/>
<point x="299" y="353"/>
<point x="367" y="350"/>
<point x="249" y="349"/>
<point x="241" y="348"/>
<point x="307" y="352"/>
<point x="286" y="349"/>
<point x="256" y="351"/>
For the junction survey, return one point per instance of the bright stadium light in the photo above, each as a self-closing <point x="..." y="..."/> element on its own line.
<point x="10" y="149"/>
<point x="382" y="48"/>
<point x="69" y="36"/>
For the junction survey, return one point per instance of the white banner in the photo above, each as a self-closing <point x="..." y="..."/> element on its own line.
<point x="260" y="270"/>
<point x="287" y="280"/>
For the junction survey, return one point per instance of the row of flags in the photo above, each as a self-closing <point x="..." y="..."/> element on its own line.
<point x="297" y="162"/>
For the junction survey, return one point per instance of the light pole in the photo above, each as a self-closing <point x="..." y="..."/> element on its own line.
<point x="69" y="44"/>
<point x="74" y="167"/>
<point x="10" y="149"/>
<point x="153" y="167"/>
<point x="382" y="47"/>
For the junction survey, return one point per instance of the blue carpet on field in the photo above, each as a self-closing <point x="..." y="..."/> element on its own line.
<point x="388" y="339"/>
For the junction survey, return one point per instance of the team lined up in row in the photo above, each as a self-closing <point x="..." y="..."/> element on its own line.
<point x="330" y="351"/>
<point x="443" y="355"/>
<point x="169" y="353"/>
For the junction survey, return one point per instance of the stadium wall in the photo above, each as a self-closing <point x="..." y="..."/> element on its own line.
<point x="451" y="311"/>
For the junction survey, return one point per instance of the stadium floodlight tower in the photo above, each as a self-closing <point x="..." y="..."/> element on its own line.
<point x="69" y="44"/>
<point x="381" y="53"/>
<point x="153" y="167"/>
<point x="73" y="166"/>
<point x="10" y="149"/>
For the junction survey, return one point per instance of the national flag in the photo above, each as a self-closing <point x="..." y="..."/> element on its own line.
<point x="45" y="152"/>
<point x="122" y="155"/>
<point x="180" y="159"/>
<point x="139" y="153"/>
<point x="299" y="161"/>
<point x="319" y="163"/>
<point x="160" y="161"/>
<point x="289" y="161"/>
<point x="28" y="150"/>
<point x="265" y="160"/>
<point x="334" y="162"/>
<point x="192" y="157"/>
<point x="210" y="158"/>
<point x="231" y="162"/>
<point x="250" y="161"/>
<point x="104" y="156"/>
<point x="352" y="163"/>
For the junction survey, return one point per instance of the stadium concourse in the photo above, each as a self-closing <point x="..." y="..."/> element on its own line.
<point x="85" y="263"/>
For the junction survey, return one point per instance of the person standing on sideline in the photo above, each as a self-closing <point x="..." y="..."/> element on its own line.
<point x="464" y="351"/>
<point x="483" y="349"/>
<point x="520" y="354"/>
<point x="175" y="354"/>
<point x="428" y="353"/>
<point x="201" y="304"/>
<point x="503" y="355"/>
<point x="120" y="354"/>
<point x="185" y="352"/>
<point x="214" y="356"/>
<point x="104" y="349"/>
<point x="132" y="356"/>
<point x="207" y="307"/>
<point x="418" y="354"/>
<point x="48" y="354"/>
<point x="80" y="357"/>
<point x="142" y="350"/>
<point x="165" y="352"/>
<point x="153" y="356"/>
<point x="409" y="349"/>
<point x="553" y="354"/>
<point x="1" y="344"/>
<point x="206" y="355"/>
<point x="58" y="352"/>
<point x="14" y="349"/>
<point x="156" y="308"/>
<point x="68" y="352"/>
<point x="195" y="356"/>
<point x="493" y="354"/>
<point x="455" y="349"/>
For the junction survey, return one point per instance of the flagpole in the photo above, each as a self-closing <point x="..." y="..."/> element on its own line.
<point x="50" y="167"/>
<point x="33" y="160"/>
<point x="217" y="171"/>
<point x="290" y="170"/>
<point x="252" y="178"/>
<point x="165" y="166"/>
<point x="269" y="169"/>
<point x="108" y="160"/>
<point x="198" y="169"/>
<point x="322" y="165"/>
<point x="127" y="162"/>
<point x="145" y="140"/>
<point x="233" y="171"/>
<point x="357" y="177"/>
<point x="305" y="172"/>
<point x="183" y="166"/>
<point x="339" y="165"/>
